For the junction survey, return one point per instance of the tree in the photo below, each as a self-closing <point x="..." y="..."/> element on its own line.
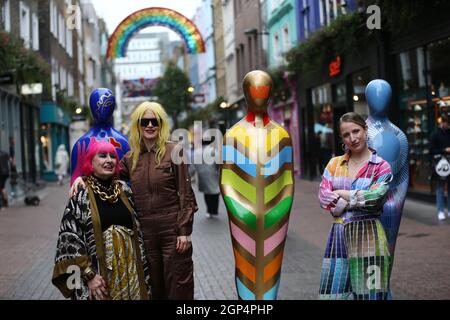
<point x="172" y="92"/>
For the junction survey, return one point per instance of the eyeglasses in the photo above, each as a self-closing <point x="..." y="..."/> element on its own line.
<point x="146" y="121"/>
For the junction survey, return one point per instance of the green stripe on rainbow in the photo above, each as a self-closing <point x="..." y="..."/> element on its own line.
<point x="240" y="212"/>
<point x="277" y="213"/>
<point x="155" y="16"/>
<point x="231" y="179"/>
<point x="272" y="190"/>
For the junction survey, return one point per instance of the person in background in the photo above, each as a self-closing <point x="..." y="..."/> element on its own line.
<point x="440" y="147"/>
<point x="61" y="163"/>
<point x="14" y="175"/>
<point x="208" y="178"/>
<point x="5" y="162"/>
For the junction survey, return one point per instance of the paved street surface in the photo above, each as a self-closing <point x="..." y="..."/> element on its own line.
<point x="28" y="239"/>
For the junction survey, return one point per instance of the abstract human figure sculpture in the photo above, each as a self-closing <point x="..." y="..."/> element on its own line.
<point x="102" y="103"/>
<point x="257" y="185"/>
<point x="392" y="145"/>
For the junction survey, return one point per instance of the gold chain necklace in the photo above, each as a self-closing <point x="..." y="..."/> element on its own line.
<point x="110" y="194"/>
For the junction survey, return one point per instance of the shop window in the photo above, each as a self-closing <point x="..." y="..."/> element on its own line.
<point x="418" y="134"/>
<point x="360" y="80"/>
<point x="6" y="15"/>
<point x="25" y="24"/>
<point x="411" y="73"/>
<point x="46" y="148"/>
<point x="323" y="125"/>
<point x="341" y="93"/>
<point x="439" y="68"/>
<point x="423" y="81"/>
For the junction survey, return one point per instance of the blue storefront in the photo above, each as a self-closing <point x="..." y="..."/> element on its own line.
<point x="54" y="131"/>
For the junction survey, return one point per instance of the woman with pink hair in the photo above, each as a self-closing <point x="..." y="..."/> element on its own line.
<point x="100" y="241"/>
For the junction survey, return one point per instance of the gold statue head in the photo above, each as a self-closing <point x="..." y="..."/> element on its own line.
<point x="257" y="86"/>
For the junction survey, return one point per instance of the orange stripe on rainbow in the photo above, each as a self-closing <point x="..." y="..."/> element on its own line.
<point x="246" y="268"/>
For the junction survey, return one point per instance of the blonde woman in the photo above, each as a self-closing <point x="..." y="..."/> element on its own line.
<point x="164" y="201"/>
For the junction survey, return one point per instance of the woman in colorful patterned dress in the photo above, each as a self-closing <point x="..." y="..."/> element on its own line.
<point x="353" y="188"/>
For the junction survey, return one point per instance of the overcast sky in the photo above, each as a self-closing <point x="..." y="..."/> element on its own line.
<point x="114" y="11"/>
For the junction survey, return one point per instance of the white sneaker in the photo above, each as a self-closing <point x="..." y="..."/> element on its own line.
<point x="441" y="215"/>
<point x="210" y="216"/>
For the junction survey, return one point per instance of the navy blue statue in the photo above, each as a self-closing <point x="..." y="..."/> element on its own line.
<point x="392" y="145"/>
<point x="102" y="103"/>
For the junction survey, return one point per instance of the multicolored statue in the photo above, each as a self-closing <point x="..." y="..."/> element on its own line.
<point x="102" y="103"/>
<point x="257" y="185"/>
<point x="392" y="145"/>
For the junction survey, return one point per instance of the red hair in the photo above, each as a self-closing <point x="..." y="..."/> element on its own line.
<point x="96" y="147"/>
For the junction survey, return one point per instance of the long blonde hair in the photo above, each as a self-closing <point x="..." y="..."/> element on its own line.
<point x="135" y="136"/>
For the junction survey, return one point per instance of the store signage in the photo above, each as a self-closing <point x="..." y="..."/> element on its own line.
<point x="34" y="88"/>
<point x="335" y="67"/>
<point x="199" y="98"/>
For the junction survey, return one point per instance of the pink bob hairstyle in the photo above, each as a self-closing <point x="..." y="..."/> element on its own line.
<point x="96" y="147"/>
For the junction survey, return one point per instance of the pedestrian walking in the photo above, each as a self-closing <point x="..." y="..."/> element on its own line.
<point x="354" y="186"/>
<point x="208" y="177"/>
<point x="101" y="236"/>
<point x="440" y="150"/>
<point x="14" y="174"/>
<point x="5" y="162"/>
<point x="164" y="200"/>
<point x="61" y="163"/>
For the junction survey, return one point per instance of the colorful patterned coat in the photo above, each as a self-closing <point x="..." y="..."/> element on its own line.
<point x="357" y="260"/>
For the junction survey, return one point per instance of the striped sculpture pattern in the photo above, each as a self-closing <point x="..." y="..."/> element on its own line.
<point x="257" y="186"/>
<point x="392" y="145"/>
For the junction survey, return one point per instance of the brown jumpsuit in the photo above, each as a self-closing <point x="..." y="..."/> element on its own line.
<point x="159" y="193"/>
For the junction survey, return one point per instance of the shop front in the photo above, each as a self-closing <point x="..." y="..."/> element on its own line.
<point x="286" y="114"/>
<point x="423" y="82"/>
<point x="337" y="89"/>
<point x="54" y="130"/>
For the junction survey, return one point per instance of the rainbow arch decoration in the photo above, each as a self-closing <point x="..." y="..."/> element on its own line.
<point x="154" y="16"/>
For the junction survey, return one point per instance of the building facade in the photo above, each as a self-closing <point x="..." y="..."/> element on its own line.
<point x="19" y="114"/>
<point x="92" y="49"/>
<point x="138" y="71"/>
<point x="232" y="83"/>
<point x="206" y="88"/>
<point x="281" y="25"/>
<point x="219" y="46"/>
<point x="58" y="38"/>
<point x="411" y="60"/>
<point x="248" y="42"/>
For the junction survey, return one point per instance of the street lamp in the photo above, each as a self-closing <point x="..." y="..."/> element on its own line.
<point x="223" y="104"/>
<point x="191" y="89"/>
<point x="78" y="110"/>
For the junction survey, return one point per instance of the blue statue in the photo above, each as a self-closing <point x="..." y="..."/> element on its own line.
<point x="102" y="103"/>
<point x="392" y="145"/>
